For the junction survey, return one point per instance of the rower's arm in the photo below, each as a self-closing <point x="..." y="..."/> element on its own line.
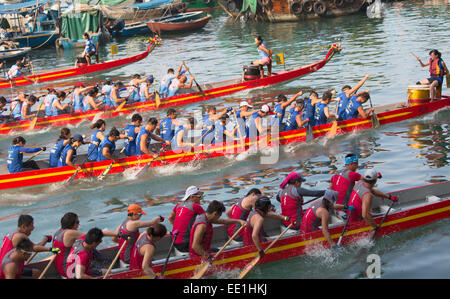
<point x="146" y="261"/>
<point x="140" y="224"/>
<point x="255" y="233"/>
<point x="366" y="210"/>
<point x="259" y="125"/>
<point x="293" y="98"/>
<point x="323" y="213"/>
<point x="357" y="86"/>
<point x="143" y="144"/>
<point x="69" y="160"/>
<point x="107" y="154"/>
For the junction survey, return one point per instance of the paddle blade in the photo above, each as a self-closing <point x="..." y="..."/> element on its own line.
<point x="120" y="106"/>
<point x="201" y="270"/>
<point x="333" y="130"/>
<point x="309" y="133"/>
<point x="73" y="177"/>
<point x="375" y="122"/>
<point x="33" y="123"/>
<point x="249" y="267"/>
<point x="103" y="175"/>
<point x="157" y="100"/>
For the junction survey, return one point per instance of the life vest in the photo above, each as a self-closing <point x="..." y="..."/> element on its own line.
<point x="136" y="257"/>
<point x="132" y="237"/>
<point x="436" y="68"/>
<point x="310" y="221"/>
<point x="102" y="145"/>
<point x="356" y="201"/>
<point x="141" y="133"/>
<point x="130" y="148"/>
<point x="55" y="153"/>
<point x="61" y="258"/>
<point x="94" y="153"/>
<point x="207" y="236"/>
<point x="85" y="259"/>
<point x="184" y="220"/>
<point x="6" y="260"/>
<point x="343" y="184"/>
<point x="248" y="230"/>
<point x="166" y="130"/>
<point x="351" y="111"/>
<point x="237" y="212"/>
<point x="63" y="157"/>
<point x="291" y="206"/>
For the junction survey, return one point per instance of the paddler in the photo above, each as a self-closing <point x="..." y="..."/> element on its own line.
<point x="145" y="136"/>
<point x="241" y="116"/>
<point x="221" y="132"/>
<point x="132" y="130"/>
<point x="89" y="48"/>
<point x="167" y="80"/>
<point x="78" y="95"/>
<point x="294" y="114"/>
<point x="319" y="213"/>
<point x="16" y="106"/>
<point x="96" y="138"/>
<point x="354" y="107"/>
<point x="15" y="156"/>
<point x="115" y="99"/>
<point x="308" y="110"/>
<point x="3" y="103"/>
<point x="179" y="140"/>
<point x="254" y="231"/>
<point x="179" y="82"/>
<point x="129" y="229"/>
<point x="291" y="198"/>
<point x="25" y="226"/>
<point x="69" y="153"/>
<point x="344" y="180"/>
<point x="346" y="93"/>
<point x="26" y="108"/>
<point x="322" y="111"/>
<point x="48" y="101"/>
<point x="144" y="89"/>
<point x="12" y="266"/>
<point x="134" y="87"/>
<point x="255" y="127"/>
<point x="145" y="248"/>
<point x="438" y="70"/>
<point x="209" y="121"/>
<point x="183" y="216"/>
<point x="265" y="56"/>
<point x="362" y="195"/>
<point x="167" y="126"/>
<point x="240" y="210"/>
<point x="57" y="107"/>
<point x="108" y="145"/>
<point x="106" y="93"/>
<point x="89" y="102"/>
<point x="202" y="230"/>
<point x="55" y="152"/>
<point x="16" y="72"/>
<point x="280" y="109"/>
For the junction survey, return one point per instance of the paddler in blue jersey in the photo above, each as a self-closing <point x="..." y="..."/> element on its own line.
<point x="14" y="157"/>
<point x="56" y="150"/>
<point x="209" y="121"/>
<point x="354" y="107"/>
<point x="167" y="80"/>
<point x="132" y="130"/>
<point x="179" y="140"/>
<point x="167" y="126"/>
<point x="69" y="152"/>
<point x="280" y="109"/>
<point x="293" y="117"/>
<point x="346" y="93"/>
<point x="255" y="127"/>
<point x="322" y="111"/>
<point x="145" y="136"/>
<point x="108" y="145"/>
<point x="241" y="117"/>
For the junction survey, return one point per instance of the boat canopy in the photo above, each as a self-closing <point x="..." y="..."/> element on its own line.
<point x="76" y="23"/>
<point x="24" y="7"/>
<point x="151" y="4"/>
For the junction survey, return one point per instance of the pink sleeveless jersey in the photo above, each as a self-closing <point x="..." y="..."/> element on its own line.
<point x="207" y="237"/>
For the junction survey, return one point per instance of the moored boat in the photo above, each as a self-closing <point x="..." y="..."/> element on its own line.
<point x="417" y="207"/>
<point x="12" y="54"/>
<point x="211" y="90"/>
<point x="180" y="22"/>
<point x="386" y="114"/>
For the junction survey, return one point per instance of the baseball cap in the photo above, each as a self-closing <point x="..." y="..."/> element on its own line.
<point x="245" y="103"/>
<point x="78" y="137"/>
<point x="190" y="191"/>
<point x="331" y="195"/>
<point x="135" y="208"/>
<point x="265" y="108"/>
<point x="371" y="174"/>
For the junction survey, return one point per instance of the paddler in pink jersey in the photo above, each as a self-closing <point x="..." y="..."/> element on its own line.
<point x="183" y="217"/>
<point x="362" y="195"/>
<point x="13" y="263"/>
<point x="240" y="210"/>
<point x="344" y="180"/>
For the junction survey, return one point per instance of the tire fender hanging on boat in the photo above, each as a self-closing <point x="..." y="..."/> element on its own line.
<point x="338" y="3"/>
<point x="320" y="7"/>
<point x="296" y="7"/>
<point x="308" y="6"/>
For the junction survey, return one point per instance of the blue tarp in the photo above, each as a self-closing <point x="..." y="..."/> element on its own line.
<point x="151" y="4"/>
<point x="21" y="7"/>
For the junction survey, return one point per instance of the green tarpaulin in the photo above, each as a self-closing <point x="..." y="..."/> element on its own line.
<point x="75" y="24"/>
<point x="249" y="3"/>
<point x="103" y="2"/>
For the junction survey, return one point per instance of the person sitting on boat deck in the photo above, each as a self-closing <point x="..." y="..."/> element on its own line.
<point x="344" y="180"/>
<point x="322" y="111"/>
<point x="134" y="87"/>
<point x="89" y="49"/>
<point x="166" y="81"/>
<point x="48" y="101"/>
<point x="291" y="198"/>
<point x="241" y="210"/>
<point x="265" y="56"/>
<point x="145" y="248"/>
<point x="319" y="213"/>
<point x="144" y="89"/>
<point x="255" y="127"/>
<point x="179" y="140"/>
<point x="202" y="230"/>
<point x="78" y="95"/>
<point x="241" y="118"/>
<point x="179" y="82"/>
<point x="294" y="115"/>
<point x="55" y="152"/>
<point x="96" y="138"/>
<point x="69" y="153"/>
<point x="145" y="136"/>
<point x="115" y="99"/>
<point x="254" y="231"/>
<point x="221" y="132"/>
<point x="25" y="226"/>
<point x="89" y="102"/>
<point x="346" y="93"/>
<point x="26" y="108"/>
<point x="354" y="107"/>
<point x="57" y="107"/>
<point x="129" y="229"/>
<point x="167" y="126"/>
<point x="81" y="255"/>
<point x="438" y="69"/>
<point x="108" y="145"/>
<point x="209" y="121"/>
<point x="132" y="130"/>
<point x="13" y="263"/>
<point x="280" y="110"/>
<point x="106" y="93"/>
<point x="15" y="156"/>
<point x="362" y="195"/>
<point x="183" y="215"/>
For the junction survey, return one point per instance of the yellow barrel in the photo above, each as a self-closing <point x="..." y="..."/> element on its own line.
<point x="418" y="94"/>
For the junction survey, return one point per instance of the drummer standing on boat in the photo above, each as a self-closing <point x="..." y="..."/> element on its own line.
<point x="438" y="70"/>
<point x="89" y="49"/>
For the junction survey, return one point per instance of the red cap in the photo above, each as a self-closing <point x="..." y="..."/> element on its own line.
<point x="80" y="84"/>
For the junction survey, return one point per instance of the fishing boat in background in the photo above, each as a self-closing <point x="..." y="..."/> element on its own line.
<point x="181" y="22"/>
<point x="386" y="114"/>
<point x="416" y="207"/>
<point x="210" y="90"/>
<point x="132" y="29"/>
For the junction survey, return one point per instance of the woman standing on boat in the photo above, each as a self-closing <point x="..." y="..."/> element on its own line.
<point x="438" y="69"/>
<point x="89" y="49"/>
<point x="265" y="56"/>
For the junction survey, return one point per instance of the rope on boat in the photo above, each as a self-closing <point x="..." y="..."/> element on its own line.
<point x="44" y="42"/>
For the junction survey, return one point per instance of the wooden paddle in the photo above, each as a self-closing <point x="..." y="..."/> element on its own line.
<point x="85" y="160"/>
<point x="201" y="270"/>
<point x="34" y="155"/>
<point x="34" y="121"/>
<point x="105" y="173"/>
<point x="115" y="259"/>
<point x="144" y="169"/>
<point x="174" y="236"/>
<point x="333" y="129"/>
<point x="256" y="260"/>
<point x="309" y="132"/>
<point x="157" y="99"/>
<point x="50" y="262"/>
<point x="375" y="122"/>
<point x="350" y="209"/>
<point x="124" y="102"/>
<point x="195" y="81"/>
<point x="239" y="129"/>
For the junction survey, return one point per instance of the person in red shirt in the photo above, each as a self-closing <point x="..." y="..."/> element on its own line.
<point x="344" y="180"/>
<point x="202" y="230"/>
<point x="12" y="264"/>
<point x="183" y="217"/>
<point x="144" y="249"/>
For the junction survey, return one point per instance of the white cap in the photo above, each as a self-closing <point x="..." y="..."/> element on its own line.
<point x="190" y="191"/>
<point x="245" y="103"/>
<point x="265" y="108"/>
<point x="331" y="195"/>
<point x="371" y="174"/>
